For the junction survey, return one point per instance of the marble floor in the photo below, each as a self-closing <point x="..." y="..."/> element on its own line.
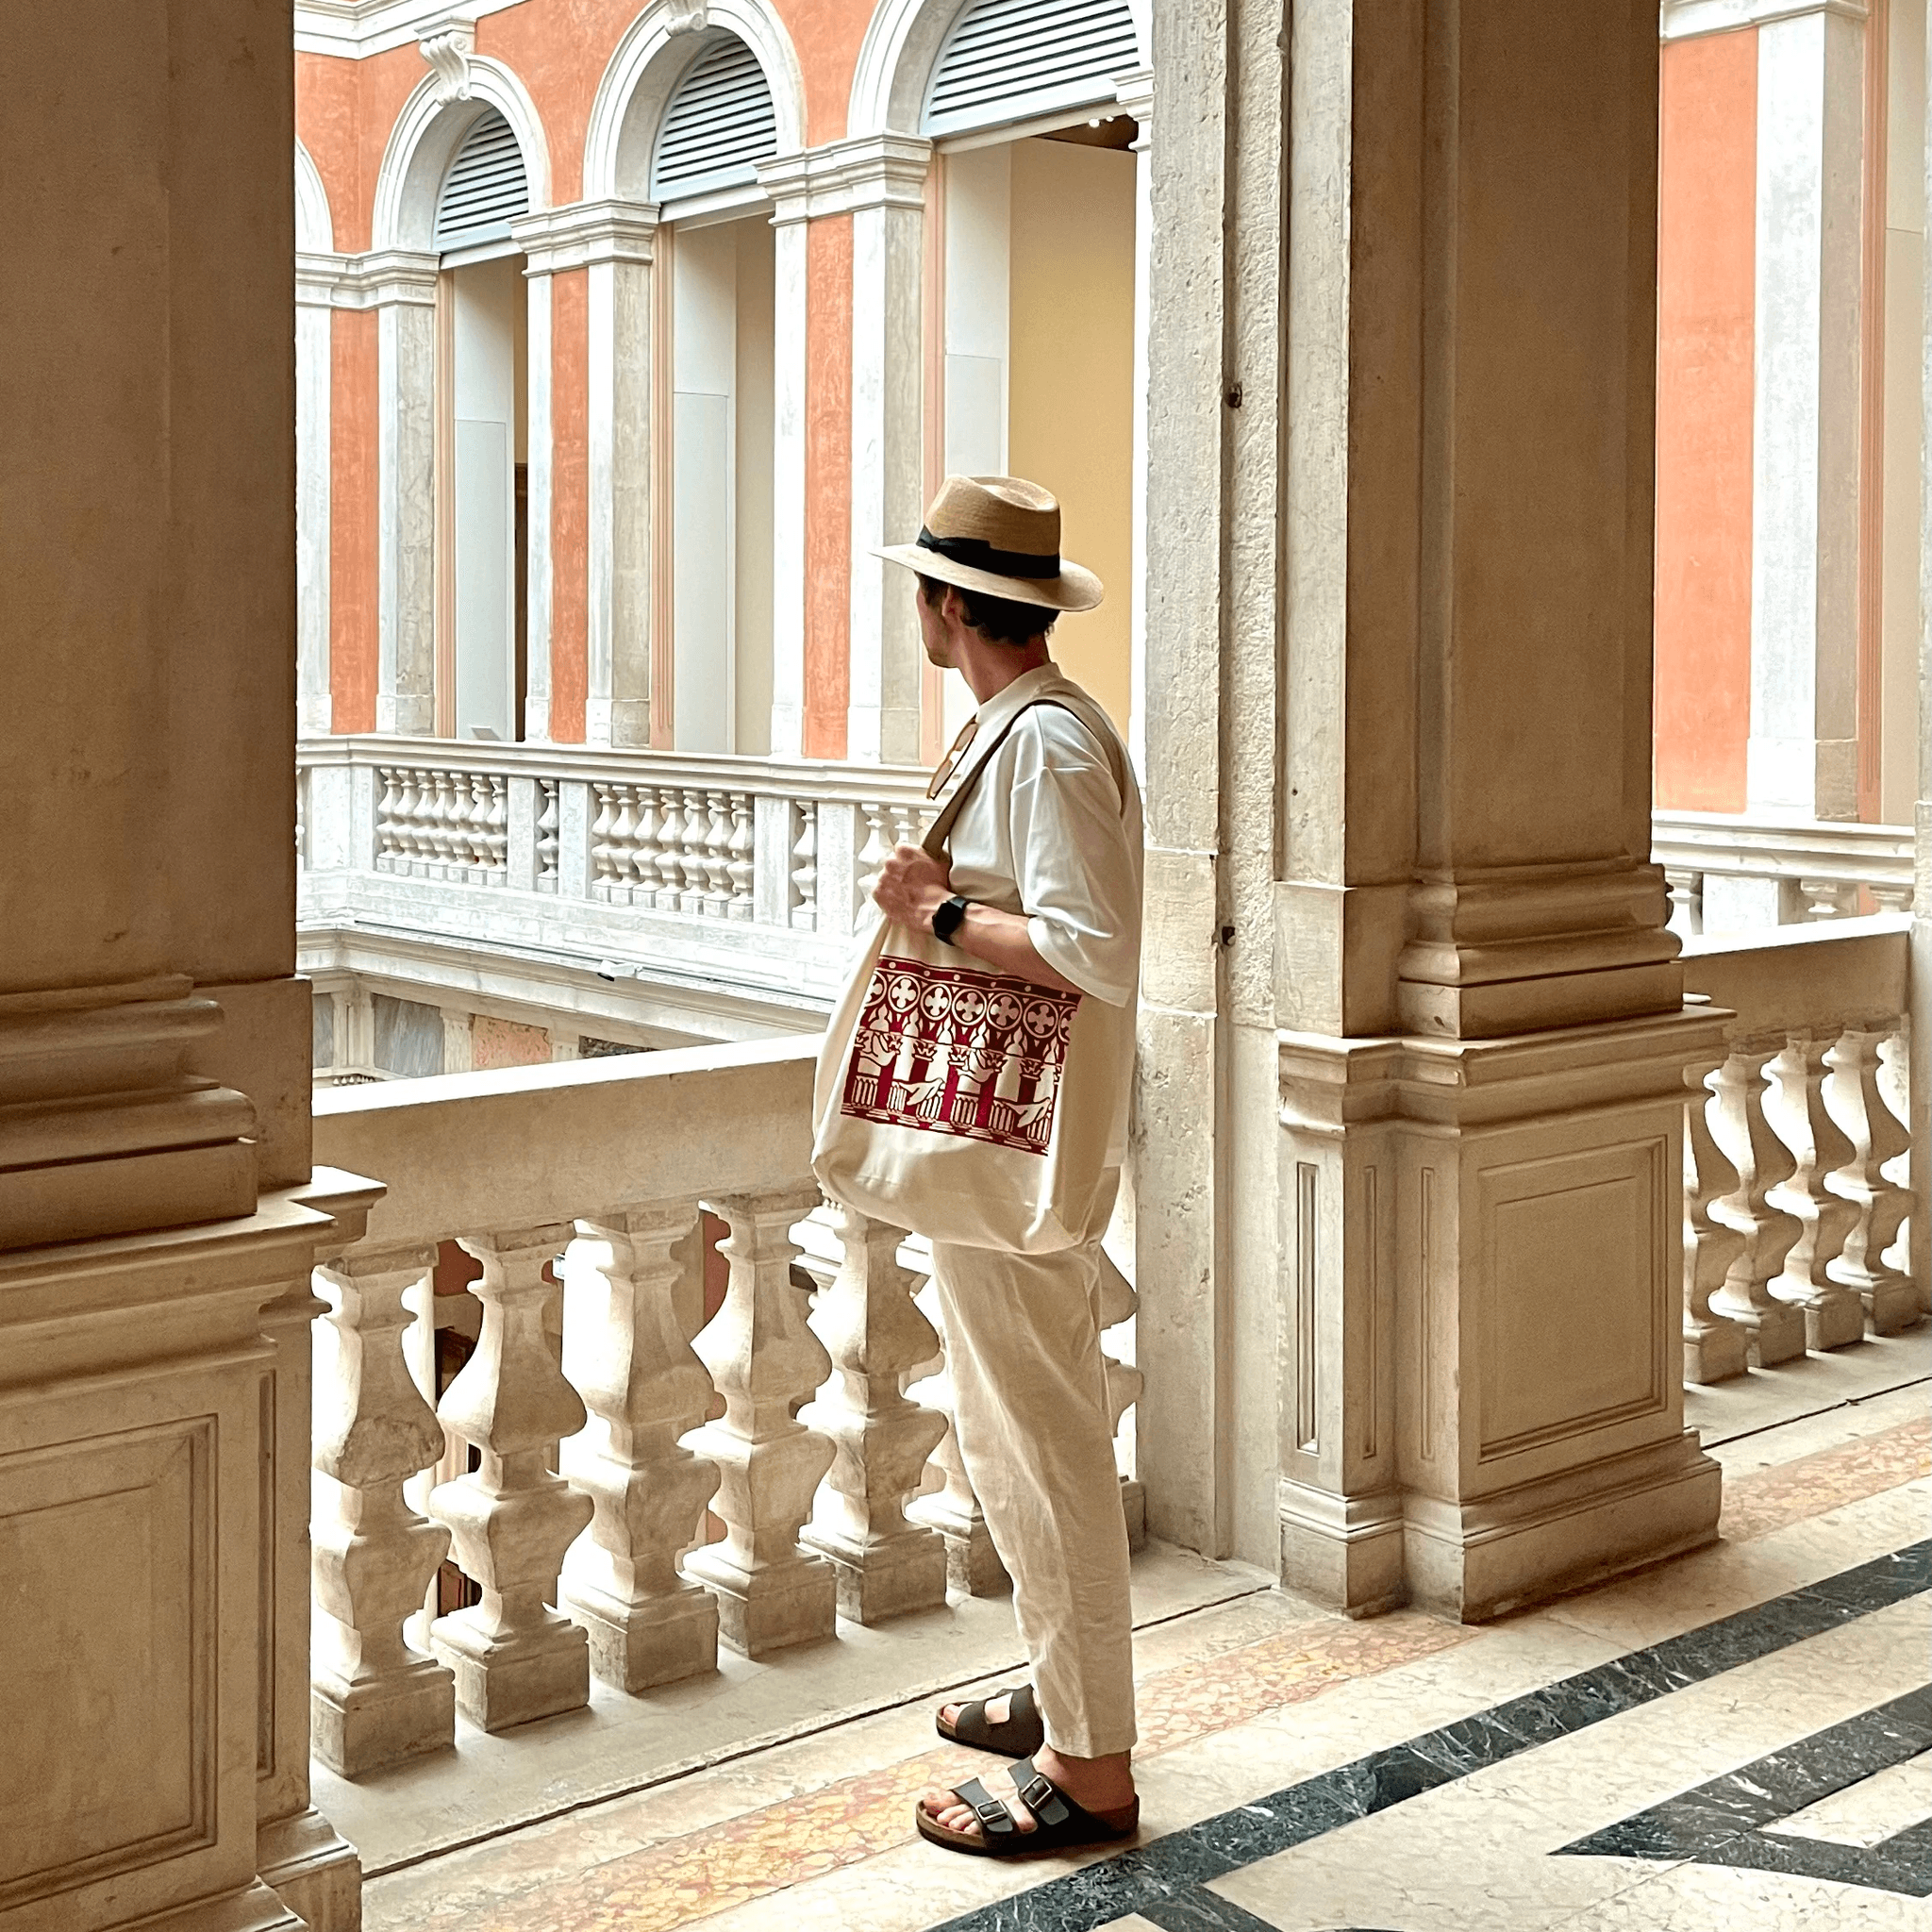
<point x="1742" y="1737"/>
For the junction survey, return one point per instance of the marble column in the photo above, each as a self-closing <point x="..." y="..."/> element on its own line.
<point x="1802" y="758"/>
<point x="612" y="240"/>
<point x="315" y="286"/>
<point x="401" y="288"/>
<point x="1406" y="952"/>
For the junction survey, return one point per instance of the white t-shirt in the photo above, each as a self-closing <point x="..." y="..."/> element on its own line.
<point x="1047" y="831"/>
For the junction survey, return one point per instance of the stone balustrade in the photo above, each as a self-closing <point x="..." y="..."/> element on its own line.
<point x="1796" y="1182"/>
<point x="1730" y="874"/>
<point x="613" y="1403"/>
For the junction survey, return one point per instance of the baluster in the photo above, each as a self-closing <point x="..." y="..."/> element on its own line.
<point x="626" y="1352"/>
<point x="1828" y="898"/>
<point x="973" y="1565"/>
<point x="438" y="832"/>
<point x="874" y="1333"/>
<point x="497" y="831"/>
<point x="603" y="859"/>
<point x="374" y="1700"/>
<point x="765" y="1362"/>
<point x="547" y="819"/>
<point x="1891" y="897"/>
<point x="1776" y="1329"/>
<point x="464" y="830"/>
<point x="1687" y="902"/>
<point x="624" y="848"/>
<point x="511" y="1520"/>
<point x="717" y="855"/>
<point x="1119" y="1302"/>
<point x="404" y="829"/>
<point x="1895" y="1085"/>
<point x="738" y="852"/>
<point x="1834" y="1315"/>
<point x="691" y="898"/>
<point x="1715" y="1347"/>
<point x="645" y="847"/>
<point x="670" y="850"/>
<point x="876" y="849"/>
<point x="386" y="812"/>
<point x="1877" y="1136"/>
<point x="805" y="870"/>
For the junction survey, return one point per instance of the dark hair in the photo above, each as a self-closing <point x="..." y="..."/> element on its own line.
<point x="999" y="620"/>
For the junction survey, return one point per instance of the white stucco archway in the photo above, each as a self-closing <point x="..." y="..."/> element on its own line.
<point x="314" y="228"/>
<point x="427" y="134"/>
<point x="648" y="63"/>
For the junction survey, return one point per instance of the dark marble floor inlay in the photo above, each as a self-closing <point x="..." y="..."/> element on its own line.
<point x="1163" y="1879"/>
<point x="1722" y="1822"/>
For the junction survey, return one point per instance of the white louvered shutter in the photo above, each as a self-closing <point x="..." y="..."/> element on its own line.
<point x="719" y="125"/>
<point x="485" y="190"/>
<point x="1013" y="60"/>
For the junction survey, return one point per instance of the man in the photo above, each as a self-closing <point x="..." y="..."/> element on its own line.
<point x="1043" y="884"/>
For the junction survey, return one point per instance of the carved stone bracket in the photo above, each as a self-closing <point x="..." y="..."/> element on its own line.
<point x="448" y="45"/>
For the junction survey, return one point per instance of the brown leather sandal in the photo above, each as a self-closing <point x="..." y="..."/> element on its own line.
<point x="1021" y="1733"/>
<point x="1058" y="1823"/>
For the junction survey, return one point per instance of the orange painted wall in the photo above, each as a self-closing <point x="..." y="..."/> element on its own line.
<point x="570" y="505"/>
<point x="828" y="485"/>
<point x="352" y="521"/>
<point x="1706" y="265"/>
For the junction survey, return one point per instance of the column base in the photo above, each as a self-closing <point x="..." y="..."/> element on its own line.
<point x="1890" y="1306"/>
<point x="1343" y="1551"/>
<point x="1715" y="1352"/>
<point x="886" y="1577"/>
<point x="1478" y="1559"/>
<point x="357" y="1728"/>
<point x="514" y="1680"/>
<point x="1134" y="1506"/>
<point x="1831" y="1320"/>
<point x="313" y="1869"/>
<point x="661" y="1641"/>
<point x="254" y="1909"/>
<point x="973" y="1565"/>
<point x="788" y="1603"/>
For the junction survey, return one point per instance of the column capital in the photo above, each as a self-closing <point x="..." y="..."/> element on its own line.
<point x="585" y="233"/>
<point x="872" y="170"/>
<point x="1135" y="92"/>
<point x="1685" y="20"/>
<point x="381" y="277"/>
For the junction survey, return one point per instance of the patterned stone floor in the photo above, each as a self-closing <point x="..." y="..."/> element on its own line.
<point x="1737" y="1738"/>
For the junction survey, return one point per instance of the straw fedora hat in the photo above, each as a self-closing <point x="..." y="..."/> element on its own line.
<point x="1000" y="535"/>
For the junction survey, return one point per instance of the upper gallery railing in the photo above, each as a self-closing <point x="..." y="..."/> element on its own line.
<point x="1730" y="874"/>
<point x="773" y="842"/>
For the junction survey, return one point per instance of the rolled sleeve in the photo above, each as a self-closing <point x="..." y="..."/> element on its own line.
<point x="1078" y="878"/>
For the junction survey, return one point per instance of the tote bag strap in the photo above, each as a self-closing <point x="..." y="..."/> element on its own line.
<point x="941" y="829"/>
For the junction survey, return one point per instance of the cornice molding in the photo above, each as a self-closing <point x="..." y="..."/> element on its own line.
<point x="355" y="29"/>
<point x="1686" y="20"/>
<point x="872" y="170"/>
<point x="384" y="277"/>
<point x="586" y="233"/>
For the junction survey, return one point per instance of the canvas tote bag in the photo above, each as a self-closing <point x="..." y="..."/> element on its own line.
<point x="965" y="1103"/>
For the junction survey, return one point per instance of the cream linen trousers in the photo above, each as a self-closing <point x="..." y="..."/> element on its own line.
<point x="1022" y="1342"/>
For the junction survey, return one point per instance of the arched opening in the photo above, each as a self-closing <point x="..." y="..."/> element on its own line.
<point x="482" y="453"/>
<point x="1032" y="351"/>
<point x="715" y="363"/>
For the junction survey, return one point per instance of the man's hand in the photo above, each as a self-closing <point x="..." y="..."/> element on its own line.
<point x="913" y="886"/>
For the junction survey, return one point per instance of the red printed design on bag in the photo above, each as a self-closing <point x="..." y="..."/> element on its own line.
<point x="950" y="1050"/>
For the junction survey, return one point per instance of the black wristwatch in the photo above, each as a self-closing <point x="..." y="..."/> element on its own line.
<point x="947" y="921"/>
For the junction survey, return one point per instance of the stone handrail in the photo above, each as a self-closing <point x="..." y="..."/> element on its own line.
<point x="609" y="1402"/>
<point x="1797" y="1183"/>
<point x="1729" y="872"/>
<point x="772" y="842"/>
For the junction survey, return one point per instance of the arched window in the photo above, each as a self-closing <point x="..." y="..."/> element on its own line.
<point x="1007" y="61"/>
<point x="720" y="124"/>
<point x="485" y="190"/>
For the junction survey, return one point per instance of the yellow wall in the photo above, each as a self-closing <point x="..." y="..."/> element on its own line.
<point x="1070" y="383"/>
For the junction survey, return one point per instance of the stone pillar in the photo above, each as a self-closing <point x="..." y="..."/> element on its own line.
<point x="1803" y="753"/>
<point x="401" y="288"/>
<point x="540" y="573"/>
<point x="153" y="1075"/>
<point x="881" y="179"/>
<point x="612" y="240"/>
<point x="315" y="284"/>
<point x="1405" y="950"/>
<point x="1137" y="96"/>
<point x="1919" y="979"/>
<point x="785" y="181"/>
